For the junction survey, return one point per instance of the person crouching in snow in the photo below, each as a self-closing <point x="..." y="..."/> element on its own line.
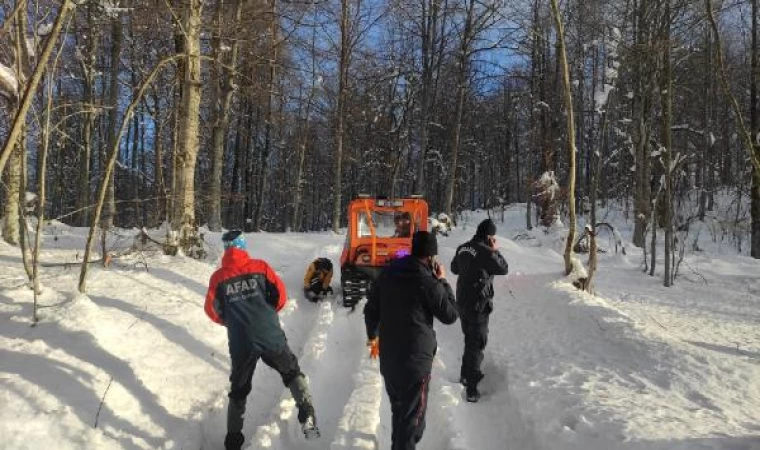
<point x="245" y="295"/>
<point x="316" y="282"/>
<point x="399" y="314"/>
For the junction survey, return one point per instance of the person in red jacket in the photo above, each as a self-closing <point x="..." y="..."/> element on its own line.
<point x="245" y="295"/>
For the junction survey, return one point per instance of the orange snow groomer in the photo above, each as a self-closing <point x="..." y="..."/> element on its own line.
<point x="379" y="231"/>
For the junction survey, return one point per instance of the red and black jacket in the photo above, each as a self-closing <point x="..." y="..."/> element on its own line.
<point x="245" y="295"/>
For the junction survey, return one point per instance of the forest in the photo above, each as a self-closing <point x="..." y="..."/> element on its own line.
<point x="273" y="114"/>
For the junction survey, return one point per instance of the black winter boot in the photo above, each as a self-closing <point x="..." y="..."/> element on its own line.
<point x="473" y="395"/>
<point x="234" y="441"/>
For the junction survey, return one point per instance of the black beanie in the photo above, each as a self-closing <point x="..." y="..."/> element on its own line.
<point x="424" y="244"/>
<point x="486" y="228"/>
<point x="231" y="235"/>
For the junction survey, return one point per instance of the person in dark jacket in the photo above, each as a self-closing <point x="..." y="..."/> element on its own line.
<point x="245" y="295"/>
<point x="476" y="262"/>
<point x="399" y="314"/>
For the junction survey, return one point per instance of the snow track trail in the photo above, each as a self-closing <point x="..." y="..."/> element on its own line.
<point x="300" y="320"/>
<point x="329" y="360"/>
<point x="136" y="365"/>
<point x="496" y="422"/>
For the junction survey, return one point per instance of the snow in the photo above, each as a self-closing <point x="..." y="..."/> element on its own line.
<point x="578" y="271"/>
<point x="44" y="29"/>
<point x="112" y="9"/>
<point x="602" y="96"/>
<point x="548" y="184"/>
<point x="31" y="46"/>
<point x="637" y="366"/>
<point x="8" y="81"/>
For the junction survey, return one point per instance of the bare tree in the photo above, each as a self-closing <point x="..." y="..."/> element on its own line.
<point x="223" y="88"/>
<point x="479" y="17"/>
<point x="755" y="128"/>
<point x="343" y="67"/>
<point x="31" y="88"/>
<point x="643" y="87"/>
<point x="189" y="124"/>
<point x="666" y="93"/>
<point x="113" y="118"/>
<point x="270" y="125"/>
<point x="744" y="131"/>
<point x="432" y="32"/>
<point x="570" y="136"/>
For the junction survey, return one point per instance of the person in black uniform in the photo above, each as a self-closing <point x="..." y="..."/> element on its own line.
<point x="476" y="262"/>
<point x="399" y="314"/>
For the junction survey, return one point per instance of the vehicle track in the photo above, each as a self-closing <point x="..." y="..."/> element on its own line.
<point x="301" y="321"/>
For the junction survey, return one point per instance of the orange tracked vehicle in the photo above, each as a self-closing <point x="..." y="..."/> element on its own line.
<point x="379" y="230"/>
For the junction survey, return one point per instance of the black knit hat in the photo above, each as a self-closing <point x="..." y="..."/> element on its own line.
<point x="233" y="238"/>
<point x="486" y="228"/>
<point x="424" y="244"/>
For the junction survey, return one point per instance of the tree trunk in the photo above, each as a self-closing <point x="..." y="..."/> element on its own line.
<point x="755" y="127"/>
<point x="189" y="121"/>
<point x="430" y="59"/>
<point x="270" y="127"/>
<point x="642" y="202"/>
<point x="303" y="144"/>
<point x="536" y="82"/>
<point x="221" y="109"/>
<point x="570" y="137"/>
<point x="41" y="198"/>
<point x="704" y="164"/>
<point x="666" y="92"/>
<point x="113" y="118"/>
<point x="455" y="142"/>
<point x="13" y="195"/>
<point x="159" y="185"/>
<point x="88" y="81"/>
<point x="19" y="121"/>
<point x="462" y="76"/>
<point x="109" y="164"/>
<point x="340" y="119"/>
<point x="751" y="145"/>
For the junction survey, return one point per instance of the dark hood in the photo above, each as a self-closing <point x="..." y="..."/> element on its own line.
<point x="407" y="267"/>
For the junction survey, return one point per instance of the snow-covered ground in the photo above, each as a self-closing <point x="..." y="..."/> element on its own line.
<point x="136" y="364"/>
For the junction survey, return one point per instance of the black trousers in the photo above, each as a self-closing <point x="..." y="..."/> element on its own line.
<point x="408" y="408"/>
<point x="283" y="361"/>
<point x="475" y="329"/>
